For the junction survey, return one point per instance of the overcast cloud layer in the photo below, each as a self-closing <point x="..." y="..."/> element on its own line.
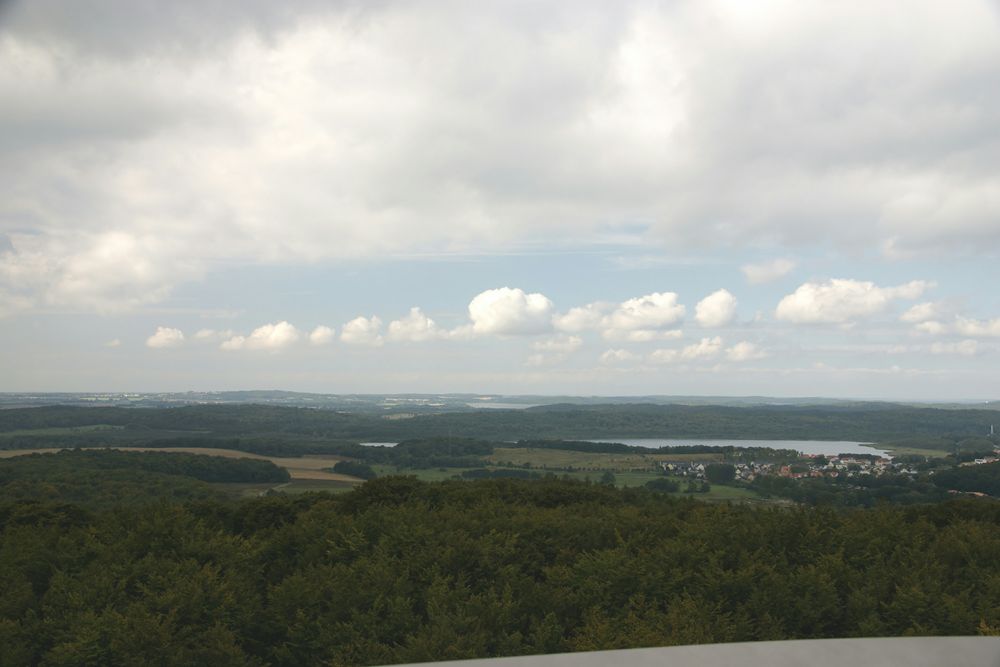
<point x="829" y="174"/>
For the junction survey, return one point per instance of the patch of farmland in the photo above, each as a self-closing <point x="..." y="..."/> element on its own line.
<point x="312" y="467"/>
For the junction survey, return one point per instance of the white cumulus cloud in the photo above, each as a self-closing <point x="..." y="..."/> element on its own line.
<point x="583" y="318"/>
<point x="653" y="311"/>
<point x="922" y="312"/>
<point x="321" y="335"/>
<point x="507" y="311"/>
<point x="416" y="327"/>
<point x="362" y="331"/>
<point x="716" y="310"/>
<point x="273" y="337"/>
<point x="640" y="319"/>
<point x="840" y="301"/>
<point x="706" y="348"/>
<point x="165" y="337"/>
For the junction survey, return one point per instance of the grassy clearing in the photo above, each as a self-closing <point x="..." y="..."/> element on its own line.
<point x="563" y="459"/>
<point x="423" y="474"/>
<point x="903" y="451"/>
<point x="688" y="458"/>
<point x="315" y="485"/>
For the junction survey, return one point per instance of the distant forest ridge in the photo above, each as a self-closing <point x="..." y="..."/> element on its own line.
<point x="871" y="422"/>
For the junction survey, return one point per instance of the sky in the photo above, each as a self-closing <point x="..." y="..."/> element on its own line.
<point x="716" y="197"/>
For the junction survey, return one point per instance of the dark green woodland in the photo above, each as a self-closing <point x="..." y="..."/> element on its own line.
<point x="400" y="570"/>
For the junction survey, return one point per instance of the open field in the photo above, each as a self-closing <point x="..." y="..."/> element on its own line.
<point x="686" y="458"/>
<point x="311" y="467"/>
<point x="561" y="458"/>
<point x="423" y="474"/>
<point x="903" y="451"/>
<point x="315" y="485"/>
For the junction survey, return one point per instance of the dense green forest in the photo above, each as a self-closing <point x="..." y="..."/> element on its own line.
<point x="400" y="570"/>
<point x="857" y="492"/>
<point x="261" y="426"/>
<point x="977" y="478"/>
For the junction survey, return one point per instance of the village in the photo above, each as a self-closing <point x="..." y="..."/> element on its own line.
<point x="843" y="466"/>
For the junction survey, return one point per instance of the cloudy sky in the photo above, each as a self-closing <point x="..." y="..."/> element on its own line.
<point x="686" y="197"/>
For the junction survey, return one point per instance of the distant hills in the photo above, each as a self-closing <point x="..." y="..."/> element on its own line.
<point x="73" y="425"/>
<point x="430" y="403"/>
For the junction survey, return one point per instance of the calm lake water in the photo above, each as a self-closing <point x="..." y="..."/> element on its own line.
<point x="825" y="447"/>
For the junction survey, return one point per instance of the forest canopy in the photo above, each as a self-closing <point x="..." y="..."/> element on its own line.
<point x="400" y="570"/>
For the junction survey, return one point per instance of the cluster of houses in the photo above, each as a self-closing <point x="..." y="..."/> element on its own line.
<point x="982" y="461"/>
<point x="844" y="465"/>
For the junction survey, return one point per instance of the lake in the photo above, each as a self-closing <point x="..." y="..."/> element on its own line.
<point x="824" y="447"/>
